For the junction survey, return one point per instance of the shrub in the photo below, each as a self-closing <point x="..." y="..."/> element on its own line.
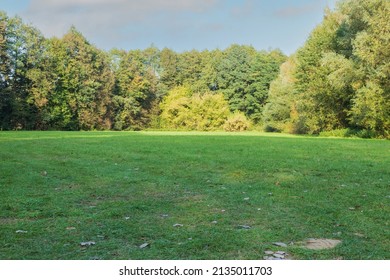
<point x="236" y="122"/>
<point x="181" y="109"/>
<point x="335" y="133"/>
<point x="349" y="132"/>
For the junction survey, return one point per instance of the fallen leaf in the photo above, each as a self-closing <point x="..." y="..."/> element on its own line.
<point x="21" y="231"/>
<point x="244" y="226"/>
<point x="144" y="245"/>
<point x="177" y="225"/>
<point x="87" y="243"/>
<point x="279" y="256"/>
<point x="164" y="215"/>
<point x="214" y="222"/>
<point x="127" y="218"/>
<point x="70" y="228"/>
<point x="280" y="244"/>
<point x="246" y="198"/>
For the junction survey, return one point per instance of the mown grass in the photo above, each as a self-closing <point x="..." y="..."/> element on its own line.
<point x="124" y="189"/>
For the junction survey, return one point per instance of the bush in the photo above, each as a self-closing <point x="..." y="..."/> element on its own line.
<point x="236" y="122"/>
<point x="183" y="110"/>
<point x="336" y="133"/>
<point x="349" y="132"/>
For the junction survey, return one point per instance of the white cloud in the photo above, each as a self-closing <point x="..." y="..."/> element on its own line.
<point x="109" y="19"/>
<point x="244" y="10"/>
<point x="299" y="10"/>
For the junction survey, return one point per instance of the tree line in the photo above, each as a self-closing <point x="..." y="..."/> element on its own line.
<point x="337" y="82"/>
<point x="69" y="84"/>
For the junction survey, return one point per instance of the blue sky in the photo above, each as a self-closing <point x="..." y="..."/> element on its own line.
<point x="177" y="24"/>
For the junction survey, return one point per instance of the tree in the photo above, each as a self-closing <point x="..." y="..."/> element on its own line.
<point x="72" y="85"/>
<point x="136" y="90"/>
<point x="183" y="110"/>
<point x="277" y="111"/>
<point x="20" y="49"/>
<point x="371" y="105"/>
<point x="341" y="78"/>
<point x="169" y="68"/>
<point x="244" y="76"/>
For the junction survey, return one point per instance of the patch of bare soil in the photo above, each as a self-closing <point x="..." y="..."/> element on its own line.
<point x="320" y="244"/>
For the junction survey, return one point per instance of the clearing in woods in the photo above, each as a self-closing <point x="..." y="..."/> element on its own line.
<point x="162" y="195"/>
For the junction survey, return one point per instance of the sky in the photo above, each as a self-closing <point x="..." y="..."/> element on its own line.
<point x="180" y="25"/>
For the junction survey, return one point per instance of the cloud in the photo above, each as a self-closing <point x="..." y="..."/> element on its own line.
<point x="295" y="11"/>
<point x="110" y="19"/>
<point x="244" y="10"/>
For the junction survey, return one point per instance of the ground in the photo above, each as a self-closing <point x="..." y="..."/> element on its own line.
<point x="164" y="195"/>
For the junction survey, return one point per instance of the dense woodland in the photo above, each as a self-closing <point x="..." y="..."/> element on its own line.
<point x="337" y="83"/>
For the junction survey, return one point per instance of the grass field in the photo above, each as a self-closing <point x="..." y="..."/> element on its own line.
<point x="124" y="189"/>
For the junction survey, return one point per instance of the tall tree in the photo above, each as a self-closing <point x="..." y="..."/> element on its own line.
<point x="244" y="76"/>
<point x="169" y="69"/>
<point x="280" y="102"/>
<point x="73" y="84"/>
<point x="341" y="78"/>
<point x="371" y="105"/>
<point x="136" y="90"/>
<point x="20" y="49"/>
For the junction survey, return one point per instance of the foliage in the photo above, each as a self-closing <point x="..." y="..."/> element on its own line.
<point x="183" y="110"/>
<point x="73" y="84"/>
<point x="277" y="111"/>
<point x="348" y="132"/>
<point x="236" y="122"/>
<point x="341" y="78"/>
<point x="135" y="90"/>
<point x="244" y="76"/>
<point x="20" y="50"/>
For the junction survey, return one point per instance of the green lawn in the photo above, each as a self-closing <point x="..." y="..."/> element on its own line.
<point x="123" y="189"/>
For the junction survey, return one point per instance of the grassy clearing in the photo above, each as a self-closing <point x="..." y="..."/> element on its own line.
<point x="124" y="189"/>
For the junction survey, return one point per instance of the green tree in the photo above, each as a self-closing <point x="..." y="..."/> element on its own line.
<point x="371" y="105"/>
<point x="244" y="76"/>
<point x="19" y="51"/>
<point x="183" y="110"/>
<point x="277" y="111"/>
<point x="136" y="90"/>
<point x="72" y="85"/>
<point x="341" y="77"/>
<point x="169" y="69"/>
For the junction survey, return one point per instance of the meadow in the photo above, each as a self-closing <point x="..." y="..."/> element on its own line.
<point x="165" y="195"/>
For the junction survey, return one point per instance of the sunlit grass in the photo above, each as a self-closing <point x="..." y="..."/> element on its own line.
<point x="124" y="189"/>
